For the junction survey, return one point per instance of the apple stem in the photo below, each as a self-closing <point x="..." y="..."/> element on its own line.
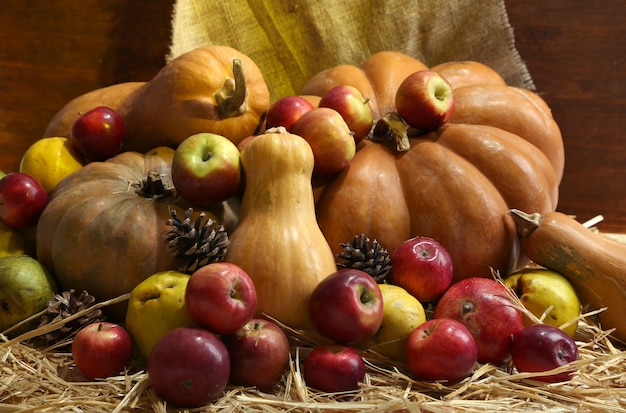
<point x="231" y="98"/>
<point x="154" y="186"/>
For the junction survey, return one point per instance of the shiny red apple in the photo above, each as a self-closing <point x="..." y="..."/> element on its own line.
<point x="101" y="350"/>
<point x="99" y="133"/>
<point x="542" y="347"/>
<point x="346" y="306"/>
<point x="333" y="368"/>
<point x="259" y="354"/>
<point x="206" y="169"/>
<point x="330" y="138"/>
<point x="286" y="111"/>
<point x="423" y="267"/>
<point x="22" y="200"/>
<point x="353" y="107"/>
<point x="189" y="367"/>
<point x="487" y="310"/>
<point x="221" y="297"/>
<point x="441" y="349"/>
<point x="425" y="100"/>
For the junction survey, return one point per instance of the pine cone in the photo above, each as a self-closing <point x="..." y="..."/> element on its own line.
<point x="64" y="305"/>
<point x="371" y="258"/>
<point x="198" y="244"/>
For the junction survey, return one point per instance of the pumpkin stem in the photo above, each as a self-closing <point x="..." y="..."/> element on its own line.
<point x="154" y="186"/>
<point x="391" y="127"/>
<point x="526" y="223"/>
<point x="231" y="98"/>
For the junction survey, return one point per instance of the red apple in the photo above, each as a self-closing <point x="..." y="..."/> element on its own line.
<point x="330" y="139"/>
<point x="99" y="133"/>
<point x="259" y="354"/>
<point x="221" y="297"/>
<point x="189" y="367"/>
<point x="22" y="200"/>
<point x="353" y="107"/>
<point x="206" y="169"/>
<point x="286" y="111"/>
<point x="346" y="306"/>
<point x="333" y="368"/>
<point x="487" y="310"/>
<point x="423" y="267"/>
<point x="441" y="349"/>
<point x="542" y="347"/>
<point x="425" y="100"/>
<point x="102" y="350"/>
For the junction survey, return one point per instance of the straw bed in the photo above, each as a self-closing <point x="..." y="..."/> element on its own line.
<point x="43" y="379"/>
<point x="40" y="378"/>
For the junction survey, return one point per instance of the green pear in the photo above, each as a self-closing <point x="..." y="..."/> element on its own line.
<point x="540" y="289"/>
<point x="26" y="286"/>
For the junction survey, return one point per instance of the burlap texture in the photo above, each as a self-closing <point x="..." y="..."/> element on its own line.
<point x="291" y="40"/>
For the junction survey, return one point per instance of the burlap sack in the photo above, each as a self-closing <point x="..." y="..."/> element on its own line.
<point x="291" y="40"/>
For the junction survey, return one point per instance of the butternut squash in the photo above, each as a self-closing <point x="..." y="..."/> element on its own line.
<point x="277" y="240"/>
<point x="595" y="265"/>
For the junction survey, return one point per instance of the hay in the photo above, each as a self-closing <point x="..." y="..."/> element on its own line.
<point x="39" y="378"/>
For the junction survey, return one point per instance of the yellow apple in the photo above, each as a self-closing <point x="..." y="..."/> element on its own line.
<point x="11" y="242"/>
<point x="156" y="306"/>
<point x="540" y="288"/>
<point x="402" y="313"/>
<point x="49" y="160"/>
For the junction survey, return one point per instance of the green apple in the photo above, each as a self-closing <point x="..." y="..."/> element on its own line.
<point x="206" y="169"/>
<point x="26" y="286"/>
<point x="539" y="289"/>
<point x="156" y="306"/>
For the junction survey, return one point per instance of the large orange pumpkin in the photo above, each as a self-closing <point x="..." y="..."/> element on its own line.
<point x="502" y="149"/>
<point x="103" y="229"/>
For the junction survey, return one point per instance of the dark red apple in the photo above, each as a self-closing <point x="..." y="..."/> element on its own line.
<point x="286" y="111"/>
<point x="425" y="100"/>
<point x="542" y="347"/>
<point x="346" y="306"/>
<point x="441" y="349"/>
<point x="353" y="107"/>
<point x="333" y="368"/>
<point x="487" y="310"/>
<point x="189" y="367"/>
<point x="206" y="169"/>
<point x="22" y="200"/>
<point x="221" y="297"/>
<point x="99" y="133"/>
<point x="423" y="267"/>
<point x="259" y="354"/>
<point x="102" y="350"/>
<point x="330" y="139"/>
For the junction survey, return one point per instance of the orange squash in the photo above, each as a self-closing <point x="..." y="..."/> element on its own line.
<point x="213" y="89"/>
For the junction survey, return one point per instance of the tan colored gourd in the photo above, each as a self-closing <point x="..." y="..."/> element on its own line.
<point x="594" y="264"/>
<point x="277" y="240"/>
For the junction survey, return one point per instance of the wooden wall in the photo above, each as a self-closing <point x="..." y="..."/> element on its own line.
<point x="51" y="52"/>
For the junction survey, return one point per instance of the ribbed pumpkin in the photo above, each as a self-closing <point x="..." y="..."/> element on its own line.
<point x="502" y="148"/>
<point x="103" y="228"/>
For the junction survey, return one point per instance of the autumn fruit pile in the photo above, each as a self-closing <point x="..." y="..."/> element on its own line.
<point x="381" y="211"/>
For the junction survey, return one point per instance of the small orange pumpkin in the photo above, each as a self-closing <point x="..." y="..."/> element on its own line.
<point x="213" y="89"/>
